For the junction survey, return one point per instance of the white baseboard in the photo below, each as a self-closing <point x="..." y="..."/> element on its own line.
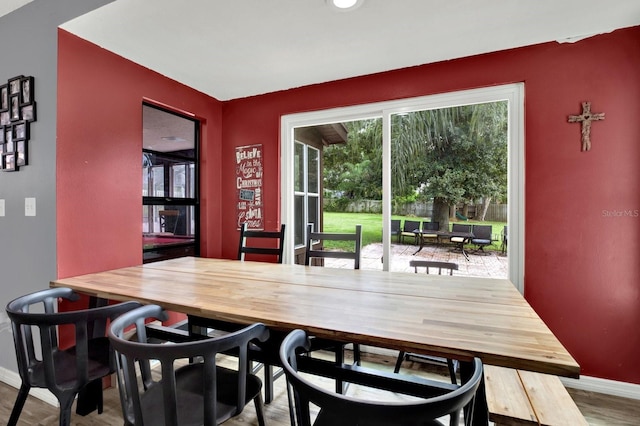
<point x="587" y="383"/>
<point x="604" y="386"/>
<point x="12" y="378"/>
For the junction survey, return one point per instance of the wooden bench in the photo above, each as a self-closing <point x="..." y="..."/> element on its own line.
<point x="519" y="397"/>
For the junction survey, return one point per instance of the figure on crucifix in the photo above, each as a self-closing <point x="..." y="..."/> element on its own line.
<point x="586" y="118"/>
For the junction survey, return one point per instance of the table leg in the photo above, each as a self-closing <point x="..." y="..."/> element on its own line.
<point x="421" y="244"/>
<point x="480" y="415"/>
<point x="90" y="397"/>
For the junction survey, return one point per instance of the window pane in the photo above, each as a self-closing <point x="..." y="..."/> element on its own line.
<point x="312" y="173"/>
<point x="313" y="212"/>
<point x="157" y="181"/>
<point x="169" y="220"/>
<point x="300" y="222"/>
<point x="145" y="181"/>
<point x="178" y="181"/>
<point x="191" y="192"/>
<point x="178" y="171"/>
<point x="298" y="168"/>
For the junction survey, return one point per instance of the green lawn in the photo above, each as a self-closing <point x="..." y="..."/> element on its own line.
<point x="372" y="226"/>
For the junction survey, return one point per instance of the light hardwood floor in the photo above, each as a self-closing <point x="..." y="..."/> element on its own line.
<point x="599" y="410"/>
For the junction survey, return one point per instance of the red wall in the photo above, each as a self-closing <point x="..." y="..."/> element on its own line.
<point x="582" y="273"/>
<point x="99" y="165"/>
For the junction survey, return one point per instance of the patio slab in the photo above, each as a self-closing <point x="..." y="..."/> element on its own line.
<point x="487" y="265"/>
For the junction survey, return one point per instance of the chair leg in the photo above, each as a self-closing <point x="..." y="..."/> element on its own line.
<point x="257" y="402"/>
<point x="19" y="404"/>
<point x="399" y="361"/>
<point x="90" y="398"/>
<point x="339" y="349"/>
<point x="65" y="409"/>
<point x="268" y="383"/>
<point x="452" y="371"/>
<point x="357" y="359"/>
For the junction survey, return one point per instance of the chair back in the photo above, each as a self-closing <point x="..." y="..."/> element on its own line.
<point x="395" y="227"/>
<point x="411" y="225"/>
<point x="35" y="323"/>
<point x="321" y="237"/>
<point x="430" y="226"/>
<point x="263" y="243"/>
<point x="460" y="227"/>
<point x="338" y="410"/>
<point x="482" y="232"/>
<point x="169" y="220"/>
<point x="447" y="267"/>
<point x="180" y="392"/>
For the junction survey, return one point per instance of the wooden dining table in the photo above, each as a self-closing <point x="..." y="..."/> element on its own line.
<point x="449" y="316"/>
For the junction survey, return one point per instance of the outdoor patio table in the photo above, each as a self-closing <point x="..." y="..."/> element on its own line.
<point x="454" y="317"/>
<point x="467" y="236"/>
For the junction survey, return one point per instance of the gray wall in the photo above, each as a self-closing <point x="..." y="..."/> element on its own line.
<point x="28" y="253"/>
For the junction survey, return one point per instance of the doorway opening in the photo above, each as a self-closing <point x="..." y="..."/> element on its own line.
<point x="170" y="217"/>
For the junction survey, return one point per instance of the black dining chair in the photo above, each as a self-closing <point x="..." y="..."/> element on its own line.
<point x="178" y="391"/>
<point x="441" y="267"/>
<point x="74" y="371"/>
<point x="265" y="245"/>
<point x="258" y="245"/>
<point x="314" y="238"/>
<point x="319" y="238"/>
<point x="340" y="410"/>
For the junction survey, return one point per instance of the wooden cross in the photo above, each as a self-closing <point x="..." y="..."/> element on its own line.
<point x="586" y="118"/>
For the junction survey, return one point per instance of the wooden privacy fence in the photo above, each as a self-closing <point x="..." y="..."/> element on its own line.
<point x="495" y="212"/>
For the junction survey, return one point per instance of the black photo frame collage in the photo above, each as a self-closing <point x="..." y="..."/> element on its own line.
<point x="17" y="111"/>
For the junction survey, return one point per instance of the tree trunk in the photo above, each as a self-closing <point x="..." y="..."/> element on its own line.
<point x="485" y="206"/>
<point x="465" y="210"/>
<point x="441" y="213"/>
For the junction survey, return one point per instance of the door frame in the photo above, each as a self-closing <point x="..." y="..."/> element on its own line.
<point x="512" y="93"/>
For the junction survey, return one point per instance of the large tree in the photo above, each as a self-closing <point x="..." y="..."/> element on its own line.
<point x="453" y="155"/>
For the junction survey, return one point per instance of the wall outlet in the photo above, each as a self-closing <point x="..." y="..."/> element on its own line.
<point x="29" y="206"/>
<point x="1" y="207"/>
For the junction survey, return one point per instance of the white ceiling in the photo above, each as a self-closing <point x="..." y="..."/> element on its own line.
<point x="233" y="49"/>
<point x="7" y="6"/>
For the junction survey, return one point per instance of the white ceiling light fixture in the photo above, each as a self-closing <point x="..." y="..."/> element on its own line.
<point x="344" y="5"/>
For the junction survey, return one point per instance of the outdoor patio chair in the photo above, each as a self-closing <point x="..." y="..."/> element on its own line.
<point x="447" y="268"/>
<point x="503" y="247"/>
<point x="340" y="410"/>
<point x="193" y="393"/>
<point x="407" y="230"/>
<point x="430" y="226"/>
<point x="481" y="237"/>
<point x="460" y="241"/>
<point x="395" y="228"/>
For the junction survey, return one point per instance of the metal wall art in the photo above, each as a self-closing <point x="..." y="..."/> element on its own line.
<point x="17" y="111"/>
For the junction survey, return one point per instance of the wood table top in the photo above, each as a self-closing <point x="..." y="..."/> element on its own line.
<point x="456" y="317"/>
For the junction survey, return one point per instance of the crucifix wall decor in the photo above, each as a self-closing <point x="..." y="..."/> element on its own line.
<point x="586" y="118"/>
